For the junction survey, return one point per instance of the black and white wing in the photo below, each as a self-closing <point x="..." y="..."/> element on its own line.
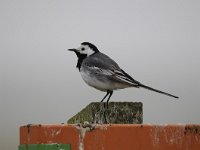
<point x="102" y="65"/>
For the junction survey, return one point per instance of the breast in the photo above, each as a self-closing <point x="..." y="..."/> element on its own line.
<point x="91" y="80"/>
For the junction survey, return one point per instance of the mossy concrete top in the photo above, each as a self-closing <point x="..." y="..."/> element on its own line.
<point x="116" y="113"/>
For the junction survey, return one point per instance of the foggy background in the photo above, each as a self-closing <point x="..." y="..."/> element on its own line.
<point x="156" y="42"/>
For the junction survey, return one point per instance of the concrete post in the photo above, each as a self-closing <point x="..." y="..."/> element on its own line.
<point x="117" y="113"/>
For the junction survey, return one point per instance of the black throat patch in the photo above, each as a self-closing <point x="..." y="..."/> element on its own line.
<point x="81" y="57"/>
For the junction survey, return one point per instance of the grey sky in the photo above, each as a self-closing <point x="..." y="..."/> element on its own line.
<point x="157" y="42"/>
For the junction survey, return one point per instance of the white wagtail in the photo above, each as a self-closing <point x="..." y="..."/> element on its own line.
<point x="101" y="72"/>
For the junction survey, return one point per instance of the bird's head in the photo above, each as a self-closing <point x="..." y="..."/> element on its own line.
<point x="86" y="49"/>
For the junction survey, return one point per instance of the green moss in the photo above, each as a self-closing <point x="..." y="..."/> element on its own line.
<point x="117" y="112"/>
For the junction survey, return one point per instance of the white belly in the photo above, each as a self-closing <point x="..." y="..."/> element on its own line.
<point x="102" y="85"/>
<point x="94" y="82"/>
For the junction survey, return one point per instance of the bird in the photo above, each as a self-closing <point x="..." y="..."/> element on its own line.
<point x="101" y="72"/>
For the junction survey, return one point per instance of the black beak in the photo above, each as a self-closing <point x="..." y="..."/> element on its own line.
<point x="73" y="49"/>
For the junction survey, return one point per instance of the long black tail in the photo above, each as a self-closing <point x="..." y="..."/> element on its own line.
<point x="152" y="89"/>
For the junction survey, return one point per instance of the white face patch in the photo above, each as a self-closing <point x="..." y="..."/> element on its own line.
<point x="84" y="49"/>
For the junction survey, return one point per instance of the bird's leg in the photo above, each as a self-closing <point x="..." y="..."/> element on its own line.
<point x="105" y="97"/>
<point x="104" y="111"/>
<point x="110" y="92"/>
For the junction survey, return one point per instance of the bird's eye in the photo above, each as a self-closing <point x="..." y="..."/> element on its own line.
<point x="82" y="48"/>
